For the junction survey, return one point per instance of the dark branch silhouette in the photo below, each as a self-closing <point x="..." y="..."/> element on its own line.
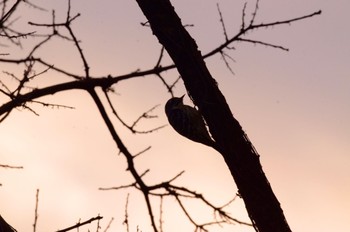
<point x="80" y="224"/>
<point x="36" y="210"/>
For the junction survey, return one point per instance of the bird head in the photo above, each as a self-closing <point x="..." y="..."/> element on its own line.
<point x="173" y="102"/>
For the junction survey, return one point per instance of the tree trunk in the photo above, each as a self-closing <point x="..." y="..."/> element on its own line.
<point x="5" y="227"/>
<point x="240" y="156"/>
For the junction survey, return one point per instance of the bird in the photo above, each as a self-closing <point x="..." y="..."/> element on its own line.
<point x="188" y="121"/>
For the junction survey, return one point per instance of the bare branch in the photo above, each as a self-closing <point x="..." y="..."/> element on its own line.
<point x="5" y="116"/>
<point x="174" y="83"/>
<point x="36" y="210"/>
<point x="80" y="224"/>
<point x="243" y="16"/>
<point x="160" y="57"/>
<point x="98" y="225"/>
<point x="52" y="105"/>
<point x="161" y="214"/>
<point x="288" y="21"/>
<point x="169" y="88"/>
<point x="222" y="22"/>
<point x="5" y="24"/>
<point x="130" y="159"/>
<point x="224" y="57"/>
<point x="263" y="43"/>
<point x="10" y="166"/>
<point x="76" y="42"/>
<point x="143" y="151"/>
<point x="254" y="12"/>
<point x="106" y="82"/>
<point x="192" y="194"/>
<point x="185" y="211"/>
<point x="145" y="115"/>
<point x="244" y="31"/>
<point x="126" y="219"/>
<point x="109" y="225"/>
<point x="119" y="187"/>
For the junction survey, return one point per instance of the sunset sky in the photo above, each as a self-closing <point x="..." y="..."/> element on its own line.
<point x="293" y="105"/>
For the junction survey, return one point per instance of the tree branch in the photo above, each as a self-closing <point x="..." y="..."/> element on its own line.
<point x="80" y="224"/>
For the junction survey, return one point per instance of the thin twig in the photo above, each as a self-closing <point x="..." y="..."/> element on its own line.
<point x="161" y="214"/>
<point x="10" y="166"/>
<point x="144" y="115"/>
<point x="254" y="12"/>
<point x="160" y="57"/>
<point x="263" y="43"/>
<point x="36" y="210"/>
<point x="224" y="57"/>
<point x="222" y="22"/>
<point x="130" y="159"/>
<point x="126" y="215"/>
<point x="76" y="226"/>
<point x="109" y="224"/>
<point x="243" y="16"/>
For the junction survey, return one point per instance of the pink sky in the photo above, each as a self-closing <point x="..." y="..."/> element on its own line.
<point x="293" y="105"/>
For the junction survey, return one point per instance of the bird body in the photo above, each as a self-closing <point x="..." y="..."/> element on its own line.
<point x="187" y="121"/>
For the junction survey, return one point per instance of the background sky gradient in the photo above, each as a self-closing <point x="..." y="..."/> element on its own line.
<point x="293" y="105"/>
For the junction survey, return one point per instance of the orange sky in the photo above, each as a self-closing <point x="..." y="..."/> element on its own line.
<point x="293" y="105"/>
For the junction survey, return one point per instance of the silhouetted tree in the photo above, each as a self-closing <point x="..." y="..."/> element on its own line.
<point x="238" y="152"/>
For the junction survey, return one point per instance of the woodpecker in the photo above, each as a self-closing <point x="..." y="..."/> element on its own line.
<point x="188" y="121"/>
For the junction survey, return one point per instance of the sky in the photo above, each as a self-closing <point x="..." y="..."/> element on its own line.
<point x="293" y="105"/>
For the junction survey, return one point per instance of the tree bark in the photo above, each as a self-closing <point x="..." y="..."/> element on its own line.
<point x="239" y="154"/>
<point x="5" y="227"/>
